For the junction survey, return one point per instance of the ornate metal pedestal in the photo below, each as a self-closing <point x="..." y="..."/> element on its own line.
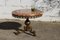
<point x="28" y="27"/>
<point x="26" y="13"/>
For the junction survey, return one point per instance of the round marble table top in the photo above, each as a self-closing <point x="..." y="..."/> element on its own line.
<point x="23" y="13"/>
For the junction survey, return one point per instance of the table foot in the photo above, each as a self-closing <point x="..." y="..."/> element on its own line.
<point x="17" y="33"/>
<point x="25" y="31"/>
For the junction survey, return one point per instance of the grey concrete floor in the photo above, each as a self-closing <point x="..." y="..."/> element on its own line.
<point x="44" y="30"/>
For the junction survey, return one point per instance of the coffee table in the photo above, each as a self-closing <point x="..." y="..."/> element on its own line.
<point x="27" y="14"/>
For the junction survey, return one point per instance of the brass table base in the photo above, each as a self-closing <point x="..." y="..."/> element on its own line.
<point x="27" y="28"/>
